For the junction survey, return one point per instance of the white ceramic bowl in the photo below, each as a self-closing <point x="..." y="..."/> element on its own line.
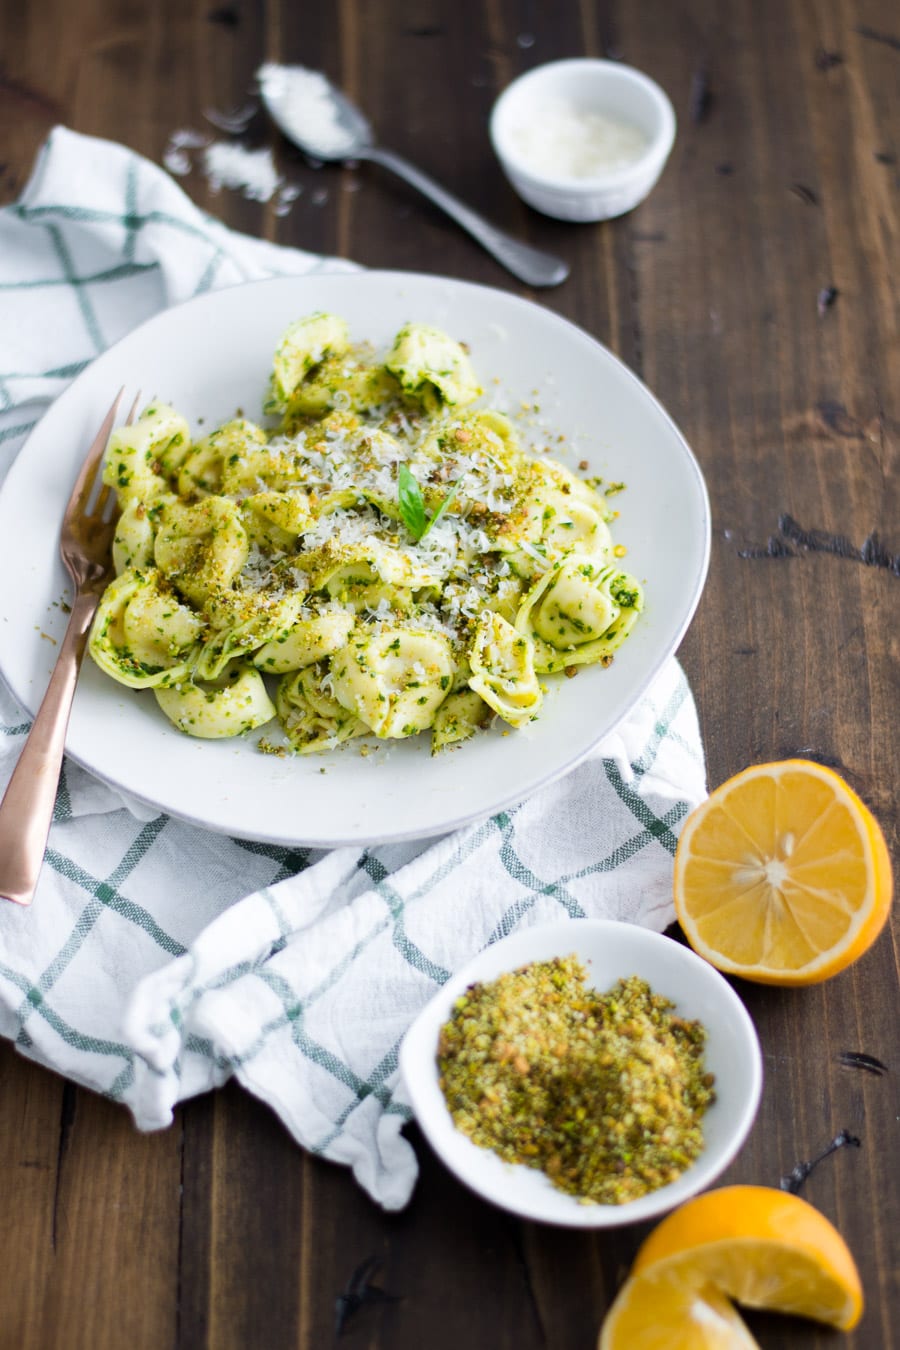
<point x="607" y="87"/>
<point x="610" y="951"/>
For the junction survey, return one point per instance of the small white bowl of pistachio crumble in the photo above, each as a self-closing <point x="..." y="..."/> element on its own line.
<point x="587" y="1073"/>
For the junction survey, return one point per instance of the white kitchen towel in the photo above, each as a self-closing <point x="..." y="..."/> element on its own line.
<point x="159" y="959"/>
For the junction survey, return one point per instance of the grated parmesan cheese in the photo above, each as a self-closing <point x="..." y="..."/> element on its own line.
<point x="306" y="105"/>
<point x="230" y="164"/>
<point x="175" y="156"/>
<point x="253" y="172"/>
<point x="561" y="140"/>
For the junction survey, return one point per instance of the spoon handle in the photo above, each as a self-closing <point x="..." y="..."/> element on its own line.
<point x="529" y="264"/>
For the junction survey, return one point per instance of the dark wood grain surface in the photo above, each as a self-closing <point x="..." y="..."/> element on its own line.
<point x="783" y="183"/>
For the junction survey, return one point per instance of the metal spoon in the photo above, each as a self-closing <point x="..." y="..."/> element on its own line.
<point x="327" y="126"/>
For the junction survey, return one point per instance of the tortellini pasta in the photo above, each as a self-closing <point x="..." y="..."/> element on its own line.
<point x="200" y="546"/>
<point x="459" y="717"/>
<point x="503" y="672"/>
<point x="135" y="537"/>
<point x="303" y="347"/>
<point x="394" y="680"/>
<point x="266" y="619"/>
<point x="140" y="457"/>
<point x="236" y="701"/>
<point x="305" y="642"/>
<point x="578" y="613"/>
<point x="431" y="367"/>
<point x="386" y="560"/>
<point x="142" y="635"/>
<point x="202" y="469"/>
<point x="312" y="718"/>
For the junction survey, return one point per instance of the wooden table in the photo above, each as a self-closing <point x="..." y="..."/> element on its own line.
<point x="755" y="293"/>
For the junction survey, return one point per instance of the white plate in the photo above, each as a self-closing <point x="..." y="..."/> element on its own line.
<point x="212" y="356"/>
<point x="610" y="951"/>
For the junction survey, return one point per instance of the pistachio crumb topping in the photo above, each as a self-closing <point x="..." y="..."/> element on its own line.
<point x="603" y="1092"/>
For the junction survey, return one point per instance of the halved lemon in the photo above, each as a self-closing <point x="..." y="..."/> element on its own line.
<point x="782" y="875"/>
<point x="762" y="1247"/>
<point x="662" y="1314"/>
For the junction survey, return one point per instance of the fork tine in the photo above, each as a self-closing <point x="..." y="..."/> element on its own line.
<point x="82" y="492"/>
<point x="85" y="479"/>
<point x="105" y="494"/>
<point x="103" y="497"/>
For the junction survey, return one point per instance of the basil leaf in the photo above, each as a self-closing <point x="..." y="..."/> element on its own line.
<point x="442" y="508"/>
<point x="412" y="505"/>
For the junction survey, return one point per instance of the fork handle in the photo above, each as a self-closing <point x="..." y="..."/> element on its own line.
<point x="27" y="807"/>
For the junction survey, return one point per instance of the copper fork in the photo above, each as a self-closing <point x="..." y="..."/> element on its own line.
<point x="85" y="544"/>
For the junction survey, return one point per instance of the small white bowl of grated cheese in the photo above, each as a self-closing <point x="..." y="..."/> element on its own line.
<point x="583" y="139"/>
